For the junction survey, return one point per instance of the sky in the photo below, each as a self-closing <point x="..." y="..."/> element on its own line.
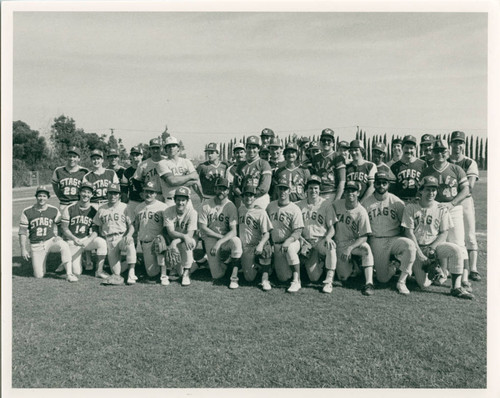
<point x="216" y="76"/>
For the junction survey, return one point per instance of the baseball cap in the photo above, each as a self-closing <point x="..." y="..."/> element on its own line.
<point x="155" y="142"/>
<point x="291" y="146"/>
<point x="114" y="188"/>
<point x="267" y="132"/>
<point x="150" y="186"/>
<point x="222" y="182"/>
<point x="378" y="146"/>
<point x="356" y="144"/>
<point x="328" y="133"/>
<point x="239" y="145"/>
<point x="86" y="185"/>
<point x="171" y="141"/>
<point x="212" y="147"/>
<point x="314" y="179"/>
<point x="183" y="191"/>
<point x="250" y="189"/>
<point x="351" y="185"/>
<point x="96" y="152"/>
<point x="42" y="188"/>
<point x="458" y="136"/>
<point x="136" y="149"/>
<point x="303" y="141"/>
<point x="397" y="141"/>
<point x="283" y="182"/>
<point x="264" y="149"/>
<point x="343" y="144"/>
<point x="427" y="139"/>
<point x="429" y="181"/>
<point x="440" y="144"/>
<point x="275" y="141"/>
<point x="409" y="139"/>
<point x="74" y="149"/>
<point x="382" y="176"/>
<point x="253" y="140"/>
<point x="313" y="145"/>
<point x="112" y="152"/>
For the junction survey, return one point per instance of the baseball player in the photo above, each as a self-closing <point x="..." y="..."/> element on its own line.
<point x="254" y="230"/>
<point x="295" y="174"/>
<point x="330" y="167"/>
<point x="100" y="178"/>
<point x="218" y="221"/>
<point x="132" y="188"/>
<point x="351" y="235"/>
<point x="67" y="179"/>
<point x="239" y="155"/>
<point x="426" y="144"/>
<point x="39" y="223"/>
<point x="408" y="171"/>
<point x="116" y="227"/>
<point x="276" y="159"/>
<point x="113" y="157"/>
<point x="266" y="136"/>
<point x="146" y="170"/>
<point x="148" y="222"/>
<point x="360" y="170"/>
<point x="286" y="218"/>
<point x="79" y="233"/>
<point x="264" y="153"/>
<point x="254" y="171"/>
<point x="426" y="223"/>
<point x="175" y="171"/>
<point x="452" y="190"/>
<point x="211" y="170"/>
<point x="319" y="220"/>
<point x="397" y="151"/>
<point x="311" y="150"/>
<point x="470" y="167"/>
<point x="378" y="158"/>
<point x="343" y="150"/>
<point x="181" y="222"/>
<point x="385" y="212"/>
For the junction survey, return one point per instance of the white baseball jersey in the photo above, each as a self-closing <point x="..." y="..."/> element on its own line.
<point x="179" y="167"/>
<point x="182" y="223"/>
<point x="253" y="223"/>
<point x="317" y="218"/>
<point x="147" y="171"/>
<point x="113" y="219"/>
<point x="149" y="219"/>
<point x="352" y="223"/>
<point x="385" y="215"/>
<point x="426" y="222"/>
<point x="219" y="218"/>
<point x="285" y="220"/>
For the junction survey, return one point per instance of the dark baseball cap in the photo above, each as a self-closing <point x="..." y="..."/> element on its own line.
<point x="155" y="142"/>
<point x="382" y="176"/>
<point x="267" y="132"/>
<point x="355" y="144"/>
<point x="264" y="149"/>
<point x="150" y="186"/>
<point x="42" y="188"/>
<point x="114" y="188"/>
<point x="409" y="139"/>
<point x="313" y="145"/>
<point x="112" y="152"/>
<point x="458" y="136"/>
<point x="86" y="185"/>
<point x="183" y="191"/>
<point x="291" y="146"/>
<point x="427" y="139"/>
<point x="352" y="185"/>
<point x="314" y="179"/>
<point x="343" y="144"/>
<point x="212" y="147"/>
<point x="253" y="140"/>
<point x="136" y="149"/>
<point x="429" y="181"/>
<point x="440" y="144"/>
<point x="222" y="182"/>
<point x="397" y="141"/>
<point x="74" y="149"/>
<point x="283" y="182"/>
<point x="327" y="133"/>
<point x="249" y="189"/>
<point x="379" y="146"/>
<point x="96" y="152"/>
<point x="275" y="141"/>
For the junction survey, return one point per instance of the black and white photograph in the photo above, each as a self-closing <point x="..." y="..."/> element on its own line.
<point x="249" y="198"/>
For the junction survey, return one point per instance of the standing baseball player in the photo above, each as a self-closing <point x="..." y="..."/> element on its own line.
<point x="343" y="150"/>
<point x="148" y="222"/>
<point x="360" y="170"/>
<point x="397" y="151"/>
<point x="311" y="151"/>
<point x="385" y="212"/>
<point x="132" y="188"/>
<point x="67" y="179"/>
<point x="116" y="227"/>
<point x="254" y="171"/>
<point x="266" y="135"/>
<point x="211" y="170"/>
<point x="426" y="223"/>
<point x="113" y="157"/>
<point x="408" y="171"/>
<point x="286" y="218"/>
<point x="330" y="167"/>
<point x="426" y="145"/>
<point x="147" y="170"/>
<point x="39" y="223"/>
<point x="181" y="222"/>
<point x="351" y="235"/>
<point x="100" y="178"/>
<point x="276" y="159"/>
<point x="239" y="155"/>
<point x="79" y="233"/>
<point x="469" y="165"/>
<point x="295" y="174"/>
<point x="218" y="222"/>
<point x="264" y="153"/>
<point x="318" y="247"/>
<point x="254" y="230"/>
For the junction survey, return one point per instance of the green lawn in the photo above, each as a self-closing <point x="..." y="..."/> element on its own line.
<point x="88" y="335"/>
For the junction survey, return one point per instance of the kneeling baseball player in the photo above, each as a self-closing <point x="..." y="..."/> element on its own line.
<point x="254" y="227"/>
<point x="218" y="222"/>
<point x="318" y="248"/>
<point x="77" y="225"/>
<point x="116" y="228"/>
<point x="351" y="235"/>
<point x="39" y="222"/>
<point x="385" y="211"/>
<point x="286" y="218"/>
<point x="427" y="224"/>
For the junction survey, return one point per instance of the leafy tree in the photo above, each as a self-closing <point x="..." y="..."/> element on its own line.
<point x="28" y="145"/>
<point x="64" y="134"/>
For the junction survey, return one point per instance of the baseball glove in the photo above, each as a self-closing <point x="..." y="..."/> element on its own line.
<point x="224" y="255"/>
<point x="305" y="248"/>
<point x="172" y="258"/>
<point x="265" y="257"/>
<point x="159" y="244"/>
<point x="432" y="268"/>
<point x="113" y="280"/>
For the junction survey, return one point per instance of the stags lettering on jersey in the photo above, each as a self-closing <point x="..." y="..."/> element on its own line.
<point x="180" y="225"/>
<point x="385" y="211"/>
<point x="112" y="217"/>
<point x="285" y="219"/>
<point x="248" y="220"/>
<point x="101" y="184"/>
<point x="426" y="220"/>
<point x="449" y="181"/>
<point x="357" y="176"/>
<point x="217" y="217"/>
<point x="314" y="216"/>
<point x="148" y="215"/>
<point x="178" y="170"/>
<point x="213" y="174"/>
<point x="41" y="221"/>
<point x="408" y="174"/>
<point x="81" y="220"/>
<point x="349" y="221"/>
<point x="70" y="182"/>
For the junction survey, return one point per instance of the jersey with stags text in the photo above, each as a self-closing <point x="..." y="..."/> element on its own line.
<point x="68" y="182"/>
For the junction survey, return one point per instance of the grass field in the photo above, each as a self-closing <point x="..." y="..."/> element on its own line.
<point x="148" y="336"/>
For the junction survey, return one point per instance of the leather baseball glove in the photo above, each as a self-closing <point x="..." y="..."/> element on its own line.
<point x="265" y="257"/>
<point x="432" y="267"/>
<point x="114" y="280"/>
<point x="172" y="257"/>
<point x="159" y="244"/>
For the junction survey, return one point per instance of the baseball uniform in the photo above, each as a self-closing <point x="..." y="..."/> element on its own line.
<point x="100" y="182"/>
<point x="68" y="183"/>
<point x="209" y="173"/>
<point x="408" y="176"/>
<point x="285" y="220"/>
<point x="147" y="171"/>
<point x="257" y="173"/>
<point x="296" y="177"/>
<point x="132" y="188"/>
<point x="363" y="174"/>
<point x="328" y="167"/>
<point x="176" y="167"/>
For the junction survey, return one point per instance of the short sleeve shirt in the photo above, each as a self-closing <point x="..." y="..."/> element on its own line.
<point x="285" y="220"/>
<point x="352" y="223"/>
<point x="113" y="219"/>
<point x="426" y="222"/>
<point x="182" y="223"/>
<point x="385" y="215"/>
<point x="253" y="223"/>
<point x="218" y="218"/>
<point x="149" y="219"/>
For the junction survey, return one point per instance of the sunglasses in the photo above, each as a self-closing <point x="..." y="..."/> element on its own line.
<point x="326" y="141"/>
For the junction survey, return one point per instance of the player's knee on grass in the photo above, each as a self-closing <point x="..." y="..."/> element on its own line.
<point x="314" y="265"/>
<point x="364" y="252"/>
<point x="234" y="244"/>
<point x="452" y="253"/>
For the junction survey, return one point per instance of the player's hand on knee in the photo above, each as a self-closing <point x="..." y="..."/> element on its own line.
<point x="346" y="255"/>
<point x="259" y="249"/>
<point x="190" y="243"/>
<point x="421" y="256"/>
<point x="78" y="242"/>
<point x="25" y="254"/>
<point x="215" y="249"/>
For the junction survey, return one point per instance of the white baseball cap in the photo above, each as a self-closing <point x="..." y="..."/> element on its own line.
<point x="171" y="141"/>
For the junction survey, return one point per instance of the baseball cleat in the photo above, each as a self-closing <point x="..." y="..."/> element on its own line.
<point x="133" y="277"/>
<point x="102" y="275"/>
<point x="164" y="280"/>
<point x="174" y="276"/>
<point x="71" y="278"/>
<point x="186" y="280"/>
<point x="441" y="281"/>
<point x="266" y="286"/>
<point x="367" y="289"/>
<point x="467" y="286"/>
<point x="474" y="275"/>
<point x="460" y="292"/>
<point x="402" y="289"/>
<point x="294" y="287"/>
<point x="328" y="287"/>
<point x="427" y="282"/>
<point x="131" y="281"/>
<point x="60" y="269"/>
<point x="234" y="283"/>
